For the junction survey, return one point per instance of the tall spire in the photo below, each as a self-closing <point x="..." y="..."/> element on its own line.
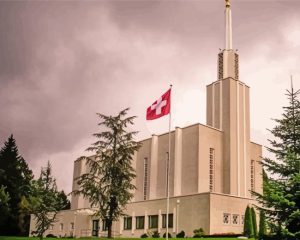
<point x="228" y="34"/>
<point x="228" y="59"/>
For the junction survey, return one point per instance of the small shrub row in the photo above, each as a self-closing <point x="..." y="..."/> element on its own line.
<point x="156" y="234"/>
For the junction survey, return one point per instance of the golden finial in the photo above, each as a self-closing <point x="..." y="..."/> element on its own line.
<point x="227" y="3"/>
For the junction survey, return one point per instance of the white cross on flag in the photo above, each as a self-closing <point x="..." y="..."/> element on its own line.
<point x="160" y="107"/>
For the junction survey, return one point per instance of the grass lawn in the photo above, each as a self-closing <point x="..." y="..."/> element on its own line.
<point x="33" y="238"/>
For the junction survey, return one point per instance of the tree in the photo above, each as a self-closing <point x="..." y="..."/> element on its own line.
<point x="4" y="205"/>
<point x="262" y="225"/>
<point x="248" y="226"/>
<point x="281" y="198"/>
<point x="254" y="222"/>
<point x="45" y="201"/>
<point x="65" y="201"/>
<point x="16" y="177"/>
<point x="108" y="184"/>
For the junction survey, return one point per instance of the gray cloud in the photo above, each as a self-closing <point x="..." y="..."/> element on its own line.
<point x="61" y="62"/>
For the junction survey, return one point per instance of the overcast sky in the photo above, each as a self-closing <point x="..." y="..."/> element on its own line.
<point x="61" y="62"/>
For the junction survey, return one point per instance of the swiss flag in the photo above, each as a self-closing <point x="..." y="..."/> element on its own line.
<point x="160" y="107"/>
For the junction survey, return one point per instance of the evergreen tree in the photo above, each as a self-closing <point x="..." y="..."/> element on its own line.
<point x="108" y="184"/>
<point x="45" y="201"/>
<point x="4" y="206"/>
<point x="262" y="225"/>
<point x="65" y="200"/>
<point x="248" y="226"/>
<point x="281" y="198"/>
<point x="15" y="176"/>
<point x="254" y="222"/>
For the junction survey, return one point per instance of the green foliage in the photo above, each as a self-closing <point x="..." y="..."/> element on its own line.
<point x="248" y="225"/>
<point x="254" y="222"/>
<point x="108" y="184"/>
<point x="198" y="233"/>
<point x="4" y="205"/>
<point x="65" y="201"/>
<point x="15" y="176"/>
<point x="45" y="201"/>
<point x="169" y="235"/>
<point x="144" y="235"/>
<point x="155" y="234"/>
<point x="262" y="225"/>
<point x="181" y="234"/>
<point x="281" y="198"/>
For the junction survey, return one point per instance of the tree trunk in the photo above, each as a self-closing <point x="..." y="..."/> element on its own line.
<point x="109" y="228"/>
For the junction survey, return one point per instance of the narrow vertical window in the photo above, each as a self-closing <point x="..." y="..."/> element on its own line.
<point x="252" y="175"/>
<point x="211" y="169"/>
<point x="145" y="188"/>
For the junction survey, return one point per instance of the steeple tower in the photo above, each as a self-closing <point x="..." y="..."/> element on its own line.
<point x="228" y="110"/>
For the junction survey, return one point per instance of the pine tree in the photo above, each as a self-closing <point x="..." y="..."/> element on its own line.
<point x="281" y="198"/>
<point x="248" y="226"/>
<point x="108" y="185"/>
<point x="45" y="201"/>
<point x="254" y="222"/>
<point x="15" y="176"/>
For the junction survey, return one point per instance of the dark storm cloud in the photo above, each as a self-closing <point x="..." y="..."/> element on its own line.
<point x="60" y="62"/>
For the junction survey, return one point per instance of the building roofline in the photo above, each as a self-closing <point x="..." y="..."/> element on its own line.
<point x="194" y="194"/>
<point x="227" y="78"/>
<point x="192" y="125"/>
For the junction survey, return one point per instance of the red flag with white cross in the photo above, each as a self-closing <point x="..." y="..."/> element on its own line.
<point x="160" y="107"/>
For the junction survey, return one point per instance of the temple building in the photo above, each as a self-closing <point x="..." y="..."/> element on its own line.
<point x="213" y="168"/>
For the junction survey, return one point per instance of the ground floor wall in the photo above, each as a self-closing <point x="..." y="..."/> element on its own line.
<point x="215" y="213"/>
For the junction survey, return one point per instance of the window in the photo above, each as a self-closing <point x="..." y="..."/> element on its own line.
<point x="145" y="188"/>
<point x="153" y="221"/>
<point x="226" y="218"/>
<point x="51" y="227"/>
<point x="127" y="223"/>
<point x="211" y="169"/>
<point x="164" y="220"/>
<point x="252" y="175"/>
<point x="242" y="219"/>
<point x="104" y="225"/>
<point x="61" y="226"/>
<point x="140" y="222"/>
<point x="235" y="219"/>
<point x="72" y="225"/>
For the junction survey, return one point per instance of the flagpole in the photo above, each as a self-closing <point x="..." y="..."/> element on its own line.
<point x="168" y="171"/>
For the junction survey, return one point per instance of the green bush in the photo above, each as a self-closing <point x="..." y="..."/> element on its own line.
<point x="169" y="235"/>
<point x="144" y="235"/>
<point x="155" y="234"/>
<point x="254" y="223"/>
<point x="198" y="233"/>
<point x="248" y="226"/>
<point x="50" y="235"/>
<point x="180" y="234"/>
<point x="262" y="225"/>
